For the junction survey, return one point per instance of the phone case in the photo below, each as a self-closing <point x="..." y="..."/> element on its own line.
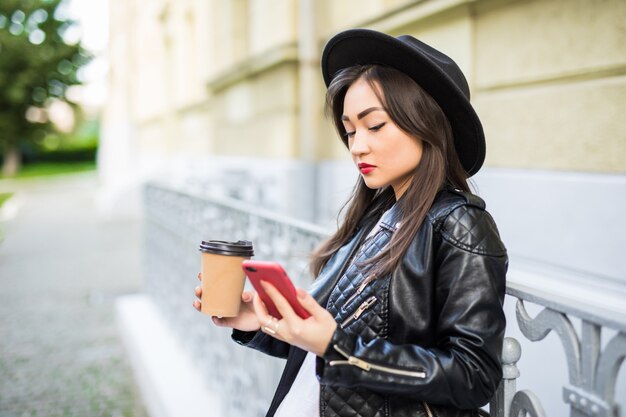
<point x="273" y="273"/>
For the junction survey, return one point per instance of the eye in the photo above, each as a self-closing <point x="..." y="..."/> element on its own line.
<point x="377" y="127"/>
<point x="349" y="134"/>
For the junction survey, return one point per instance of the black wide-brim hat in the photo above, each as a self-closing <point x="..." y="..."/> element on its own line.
<point x="432" y="70"/>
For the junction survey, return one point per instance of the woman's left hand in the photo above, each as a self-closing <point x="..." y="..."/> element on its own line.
<point x="312" y="334"/>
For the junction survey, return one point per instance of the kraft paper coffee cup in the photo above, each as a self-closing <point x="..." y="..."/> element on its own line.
<point x="223" y="278"/>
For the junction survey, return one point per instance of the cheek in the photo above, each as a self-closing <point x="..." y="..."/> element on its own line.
<point x="418" y="151"/>
<point x="408" y="154"/>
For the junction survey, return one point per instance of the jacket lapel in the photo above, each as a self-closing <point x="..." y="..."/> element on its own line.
<point x="334" y="269"/>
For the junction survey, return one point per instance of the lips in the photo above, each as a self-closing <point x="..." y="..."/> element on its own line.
<point x="366" y="168"/>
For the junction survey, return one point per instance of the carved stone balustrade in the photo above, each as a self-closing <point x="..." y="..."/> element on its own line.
<point x="174" y="224"/>
<point x="592" y="368"/>
<point x="176" y="221"/>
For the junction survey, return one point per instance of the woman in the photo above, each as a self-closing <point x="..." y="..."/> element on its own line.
<point x="406" y="308"/>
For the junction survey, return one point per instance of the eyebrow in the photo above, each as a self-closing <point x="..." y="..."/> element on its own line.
<point x="363" y="113"/>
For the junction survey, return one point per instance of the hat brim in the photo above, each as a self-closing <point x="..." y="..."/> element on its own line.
<point x="363" y="47"/>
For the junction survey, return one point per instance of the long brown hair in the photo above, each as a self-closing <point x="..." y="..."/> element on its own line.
<point x="416" y="113"/>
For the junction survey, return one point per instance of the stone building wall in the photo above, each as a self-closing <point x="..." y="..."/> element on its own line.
<point x="224" y="78"/>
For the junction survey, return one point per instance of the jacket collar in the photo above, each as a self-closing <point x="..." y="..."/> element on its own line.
<point x="389" y="219"/>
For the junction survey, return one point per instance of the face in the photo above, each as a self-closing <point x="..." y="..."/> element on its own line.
<point x="383" y="153"/>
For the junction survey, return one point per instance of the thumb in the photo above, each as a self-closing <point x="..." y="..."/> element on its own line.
<point x="308" y="302"/>
<point x="247" y="296"/>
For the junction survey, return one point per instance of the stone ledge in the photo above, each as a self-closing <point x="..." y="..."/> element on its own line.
<point x="563" y="77"/>
<point x="255" y="65"/>
<point x="404" y="15"/>
<point x="169" y="383"/>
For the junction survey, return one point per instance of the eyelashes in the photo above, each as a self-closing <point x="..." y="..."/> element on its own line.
<point x="375" y="128"/>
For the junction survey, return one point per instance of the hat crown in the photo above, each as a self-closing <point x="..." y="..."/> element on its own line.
<point x="441" y="60"/>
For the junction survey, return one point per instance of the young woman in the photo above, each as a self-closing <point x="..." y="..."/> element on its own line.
<point x="406" y="308"/>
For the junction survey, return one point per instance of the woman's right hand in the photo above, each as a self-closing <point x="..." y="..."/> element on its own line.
<point x="246" y="320"/>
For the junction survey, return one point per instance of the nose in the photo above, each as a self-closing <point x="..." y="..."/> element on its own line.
<point x="358" y="144"/>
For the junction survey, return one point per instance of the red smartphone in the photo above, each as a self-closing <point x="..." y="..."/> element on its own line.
<point x="273" y="273"/>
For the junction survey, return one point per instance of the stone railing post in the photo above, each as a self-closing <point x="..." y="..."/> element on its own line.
<point x="508" y="402"/>
<point x="500" y="405"/>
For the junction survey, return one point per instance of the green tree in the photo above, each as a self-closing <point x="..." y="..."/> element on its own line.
<point x="37" y="65"/>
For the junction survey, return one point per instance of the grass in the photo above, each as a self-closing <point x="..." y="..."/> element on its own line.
<point x="4" y="197"/>
<point x="52" y="168"/>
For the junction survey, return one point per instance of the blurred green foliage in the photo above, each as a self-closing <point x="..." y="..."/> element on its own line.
<point x="4" y="197"/>
<point x="47" y="169"/>
<point x="81" y="145"/>
<point x="37" y="65"/>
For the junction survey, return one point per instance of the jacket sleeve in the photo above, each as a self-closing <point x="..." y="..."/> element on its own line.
<point x="262" y="342"/>
<point x="462" y="367"/>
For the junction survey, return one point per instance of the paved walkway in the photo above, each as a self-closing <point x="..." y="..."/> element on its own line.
<point x="60" y="271"/>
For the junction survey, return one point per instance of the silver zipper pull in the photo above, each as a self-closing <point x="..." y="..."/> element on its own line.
<point x="359" y="363"/>
<point x="364" y="283"/>
<point x="367" y="366"/>
<point x="367" y="304"/>
<point x="359" y="290"/>
<point x="364" y="306"/>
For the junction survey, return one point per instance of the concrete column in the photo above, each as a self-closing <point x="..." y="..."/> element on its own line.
<point x="308" y="58"/>
<point x="309" y="104"/>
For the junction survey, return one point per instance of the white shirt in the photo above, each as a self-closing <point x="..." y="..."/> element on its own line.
<point x="303" y="398"/>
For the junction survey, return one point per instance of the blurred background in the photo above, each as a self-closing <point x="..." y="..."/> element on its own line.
<point x="131" y="130"/>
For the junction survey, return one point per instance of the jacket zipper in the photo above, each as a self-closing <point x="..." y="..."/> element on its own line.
<point x="429" y="412"/>
<point x="362" y="286"/>
<point x="364" y="306"/>
<point x="367" y="366"/>
<point x="369" y="278"/>
<point x="388" y="227"/>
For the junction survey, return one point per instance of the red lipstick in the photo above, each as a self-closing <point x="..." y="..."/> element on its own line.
<point x="366" y="168"/>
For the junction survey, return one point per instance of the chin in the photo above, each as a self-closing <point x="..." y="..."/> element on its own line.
<point x="374" y="185"/>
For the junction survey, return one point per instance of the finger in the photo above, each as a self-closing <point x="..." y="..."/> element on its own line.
<point x="197" y="305"/>
<point x="259" y="308"/>
<point x="199" y="276"/>
<point x="198" y="291"/>
<point x="281" y="303"/>
<point x="247" y="296"/>
<point x="309" y="303"/>
<point x="264" y="317"/>
<point x="221" y="321"/>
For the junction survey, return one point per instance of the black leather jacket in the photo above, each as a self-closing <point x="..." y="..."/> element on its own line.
<point x="423" y="341"/>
